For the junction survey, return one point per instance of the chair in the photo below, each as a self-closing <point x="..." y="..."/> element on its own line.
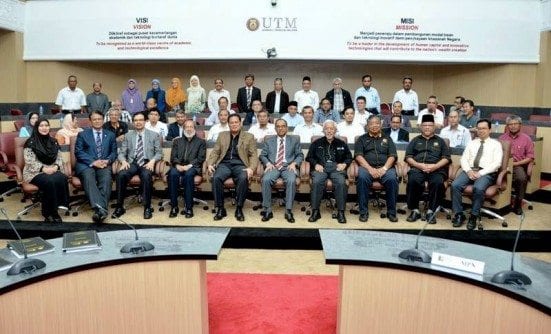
<point x="234" y="106"/>
<point x="18" y="124"/>
<point x="83" y="122"/>
<point x="540" y="118"/>
<point x="77" y="203"/>
<point x="200" y="121"/>
<point x="385" y="109"/>
<point x="8" y="163"/>
<point x="441" y="108"/>
<point x="530" y="130"/>
<point x="499" y="116"/>
<point x="16" y="112"/>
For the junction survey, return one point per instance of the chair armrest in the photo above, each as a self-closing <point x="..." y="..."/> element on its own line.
<point x="18" y="172"/>
<point x="4" y="162"/>
<point x="501" y="180"/>
<point x="529" y="170"/>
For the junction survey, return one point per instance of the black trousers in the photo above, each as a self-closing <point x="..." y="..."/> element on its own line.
<point x="235" y="170"/>
<point x="416" y="188"/>
<point x="146" y="176"/>
<point x="55" y="191"/>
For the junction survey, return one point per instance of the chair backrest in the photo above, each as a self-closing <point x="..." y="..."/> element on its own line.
<point x="506" y="147"/>
<point x="441" y="108"/>
<point x="7" y="144"/>
<point x="540" y="118"/>
<point x="386" y="109"/>
<point x="84" y="122"/>
<point x="72" y="156"/>
<point x="18" y="124"/>
<point x="19" y="144"/>
<point x="16" y="112"/>
<point x="530" y="130"/>
<point x="499" y="116"/>
<point x="200" y="120"/>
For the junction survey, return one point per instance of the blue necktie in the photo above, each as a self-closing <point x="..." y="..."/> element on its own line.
<point x="98" y="144"/>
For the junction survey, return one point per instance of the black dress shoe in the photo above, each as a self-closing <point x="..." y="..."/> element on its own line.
<point x="220" y="213"/>
<point x="314" y="216"/>
<point x="188" y="213"/>
<point x="364" y="217"/>
<point x="267" y="216"/>
<point x="392" y="218"/>
<point x="118" y="212"/>
<point x="518" y="210"/>
<point x="96" y="217"/>
<point x="413" y="216"/>
<point x="49" y="220"/>
<point x="458" y="220"/>
<point x="239" y="214"/>
<point x="148" y="213"/>
<point x="57" y="218"/>
<point x="289" y="216"/>
<point x="341" y="219"/>
<point x="173" y="212"/>
<point x="471" y="224"/>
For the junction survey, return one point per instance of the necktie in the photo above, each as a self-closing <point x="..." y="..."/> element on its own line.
<point x="478" y="155"/>
<point x="98" y="144"/>
<point x="139" y="151"/>
<point x="248" y="97"/>
<point x="280" y="154"/>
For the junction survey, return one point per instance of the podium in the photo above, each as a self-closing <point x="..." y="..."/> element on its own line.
<point x="104" y="291"/>
<point x="381" y="293"/>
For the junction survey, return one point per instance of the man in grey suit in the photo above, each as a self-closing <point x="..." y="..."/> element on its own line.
<point x="140" y="149"/>
<point x="281" y="157"/>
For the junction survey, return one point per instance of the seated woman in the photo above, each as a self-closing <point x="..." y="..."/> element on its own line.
<point x="197" y="98"/>
<point x="115" y="125"/>
<point x="44" y="168"/>
<point x="27" y="128"/>
<point x="69" y="128"/>
<point x="175" y="95"/>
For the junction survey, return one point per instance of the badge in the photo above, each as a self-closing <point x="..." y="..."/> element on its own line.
<point x="435" y="144"/>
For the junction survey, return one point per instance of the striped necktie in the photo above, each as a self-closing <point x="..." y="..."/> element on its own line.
<point x="280" y="154"/>
<point x="98" y="144"/>
<point x="139" y="151"/>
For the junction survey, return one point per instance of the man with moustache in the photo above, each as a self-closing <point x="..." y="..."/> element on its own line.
<point x="221" y="126"/>
<point x="339" y="97"/>
<point x="308" y="128"/>
<point x="292" y="117"/>
<point x="408" y="98"/>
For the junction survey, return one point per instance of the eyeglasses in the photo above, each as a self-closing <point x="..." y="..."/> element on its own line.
<point x="513" y="123"/>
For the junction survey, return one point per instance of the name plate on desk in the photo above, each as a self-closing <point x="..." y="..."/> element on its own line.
<point x="459" y="263"/>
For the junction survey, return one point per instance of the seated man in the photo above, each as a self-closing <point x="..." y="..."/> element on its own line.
<point x="457" y="134"/>
<point x="308" y="129"/>
<point x="154" y="124"/>
<point x="95" y="151"/>
<point x="469" y="118"/>
<point x="397" y="111"/>
<point x="116" y="125"/>
<point x="252" y="117"/>
<point x="123" y="114"/>
<point x="395" y="132"/>
<point x="480" y="162"/>
<point x="186" y="158"/>
<point x="522" y="151"/>
<point x="234" y="155"/>
<point x="176" y="129"/>
<point x="262" y="128"/>
<point x="221" y="126"/>
<point x="292" y="117"/>
<point x="362" y="114"/>
<point x="428" y="156"/>
<point x="329" y="157"/>
<point x="281" y="156"/>
<point x="432" y="109"/>
<point x="326" y="112"/>
<point x="139" y="151"/>
<point x="349" y="128"/>
<point x="376" y="154"/>
<point x="223" y="104"/>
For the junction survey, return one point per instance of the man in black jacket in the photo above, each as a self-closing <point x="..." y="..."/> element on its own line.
<point x="277" y="100"/>
<point x="176" y="129"/>
<point x="247" y="94"/>
<point x="339" y="98"/>
<point x="395" y="132"/>
<point x="329" y="157"/>
<point x="187" y="157"/>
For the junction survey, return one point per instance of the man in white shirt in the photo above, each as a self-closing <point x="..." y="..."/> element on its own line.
<point x="361" y="112"/>
<point x="71" y="99"/>
<point x="262" y="128"/>
<point x="480" y="162"/>
<point x="457" y="134"/>
<point x="372" y="99"/>
<point x="216" y="94"/>
<point x="306" y="96"/>
<point x="432" y="108"/>
<point x="292" y="117"/>
<point x="308" y="129"/>
<point x="408" y="97"/>
<point x="223" y="104"/>
<point x="154" y="124"/>
<point x="349" y="128"/>
<point x="221" y="126"/>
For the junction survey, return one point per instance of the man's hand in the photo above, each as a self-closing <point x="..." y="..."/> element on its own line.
<point x="341" y="167"/>
<point x="100" y="164"/>
<point x="150" y="165"/>
<point x="249" y="173"/>
<point x="473" y="175"/>
<point x="211" y="169"/>
<point x="49" y="169"/>
<point x="120" y="138"/>
<point x="318" y="168"/>
<point x="292" y="167"/>
<point x="124" y="165"/>
<point x="269" y="167"/>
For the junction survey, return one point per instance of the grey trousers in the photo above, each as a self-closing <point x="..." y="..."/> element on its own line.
<point x="268" y="181"/>
<point x="340" y="189"/>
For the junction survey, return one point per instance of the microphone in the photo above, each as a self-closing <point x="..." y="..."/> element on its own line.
<point x="416" y="254"/>
<point x="135" y="247"/>
<point x="512" y="276"/>
<point x="25" y="265"/>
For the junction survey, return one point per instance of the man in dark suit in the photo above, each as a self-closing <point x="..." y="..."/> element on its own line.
<point x="176" y="129"/>
<point x="277" y="100"/>
<point x="395" y="132"/>
<point x="234" y="155"/>
<point x="339" y="98"/>
<point x="186" y="158"/>
<point x="139" y="152"/>
<point x="281" y="157"/>
<point x="247" y="94"/>
<point x="95" y="151"/>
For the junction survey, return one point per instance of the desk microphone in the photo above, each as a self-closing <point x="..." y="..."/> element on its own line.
<point x="25" y="265"/>
<point x="416" y="254"/>
<point x="512" y="276"/>
<point x="135" y="247"/>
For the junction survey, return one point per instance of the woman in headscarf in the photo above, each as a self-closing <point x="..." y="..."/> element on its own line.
<point x="132" y="98"/>
<point x="197" y="97"/>
<point x="44" y="168"/>
<point x="27" y="129"/>
<point x="175" y="95"/>
<point x="158" y="94"/>
<point x="69" y="128"/>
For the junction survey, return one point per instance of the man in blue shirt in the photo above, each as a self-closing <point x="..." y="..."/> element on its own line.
<point x="372" y="99"/>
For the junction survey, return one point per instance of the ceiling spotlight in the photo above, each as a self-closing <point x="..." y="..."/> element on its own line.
<point x="273" y="2"/>
<point x="271" y="53"/>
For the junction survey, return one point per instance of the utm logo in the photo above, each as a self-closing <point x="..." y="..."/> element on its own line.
<point x="253" y="24"/>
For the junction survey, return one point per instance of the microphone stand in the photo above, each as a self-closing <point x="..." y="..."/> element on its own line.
<point x="416" y="254"/>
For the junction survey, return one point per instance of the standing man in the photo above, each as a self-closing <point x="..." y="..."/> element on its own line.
<point x="234" y="155"/>
<point x="432" y="109"/>
<point x="480" y="162"/>
<point x="457" y="134"/>
<point x="329" y="157"/>
<point x="176" y="129"/>
<point x="397" y="111"/>
<point x="95" y="151"/>
<point x="186" y="158"/>
<point x="281" y="156"/>
<point x="306" y="96"/>
<point x="221" y="126"/>
<point x="216" y="94"/>
<point x="372" y="99"/>
<point x="427" y="155"/>
<point x="469" y="119"/>
<point x="96" y="100"/>
<point x="376" y="154"/>
<point x="71" y="99"/>
<point x="292" y="117"/>
<point x="277" y="100"/>
<point x="408" y="98"/>
<point x="349" y="128"/>
<point x="325" y="113"/>
<point x="308" y="129"/>
<point x="139" y="152"/>
<point x="395" y="132"/>
<point x="522" y="151"/>
<point x="245" y="95"/>
<point x="262" y="128"/>
<point x="339" y="97"/>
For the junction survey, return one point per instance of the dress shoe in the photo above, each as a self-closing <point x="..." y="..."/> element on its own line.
<point x="364" y="217"/>
<point x="239" y="214"/>
<point x="314" y="216"/>
<point x="188" y="213"/>
<point x="289" y="216"/>
<point x="173" y="212"/>
<point x="471" y="224"/>
<point x="220" y="213"/>
<point x="267" y="216"/>
<point x="392" y="218"/>
<point x="517" y="210"/>
<point x="340" y="217"/>
<point x="57" y="218"/>
<point x="49" y="220"/>
<point x="96" y="217"/>
<point x="413" y="216"/>
<point x="458" y="220"/>
<point x="431" y="217"/>
<point x="119" y="211"/>
<point x="147" y="213"/>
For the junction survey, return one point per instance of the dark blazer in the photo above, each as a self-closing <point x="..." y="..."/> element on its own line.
<point x="186" y="151"/>
<point x="85" y="149"/>
<point x="318" y="149"/>
<point x="173" y="131"/>
<point x="242" y="98"/>
<point x="345" y="96"/>
<point x="293" y="152"/>
<point x="403" y="135"/>
<point x="283" y="102"/>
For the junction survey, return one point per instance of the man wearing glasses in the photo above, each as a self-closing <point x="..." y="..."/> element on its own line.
<point x="395" y="132"/>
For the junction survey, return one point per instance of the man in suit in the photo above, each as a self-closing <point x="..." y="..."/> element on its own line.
<point x="277" y="100"/>
<point x="247" y="94"/>
<point x="281" y="156"/>
<point x="234" y="155"/>
<point x="186" y="158"/>
<point x="339" y="98"/>
<point x="95" y="151"/>
<point x="139" y="152"/>
<point x="176" y="129"/>
<point x="395" y="132"/>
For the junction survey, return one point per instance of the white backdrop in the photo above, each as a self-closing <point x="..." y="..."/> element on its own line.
<point x="496" y="31"/>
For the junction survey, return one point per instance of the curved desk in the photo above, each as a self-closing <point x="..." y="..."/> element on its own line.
<point x="104" y="291"/>
<point x="381" y="293"/>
